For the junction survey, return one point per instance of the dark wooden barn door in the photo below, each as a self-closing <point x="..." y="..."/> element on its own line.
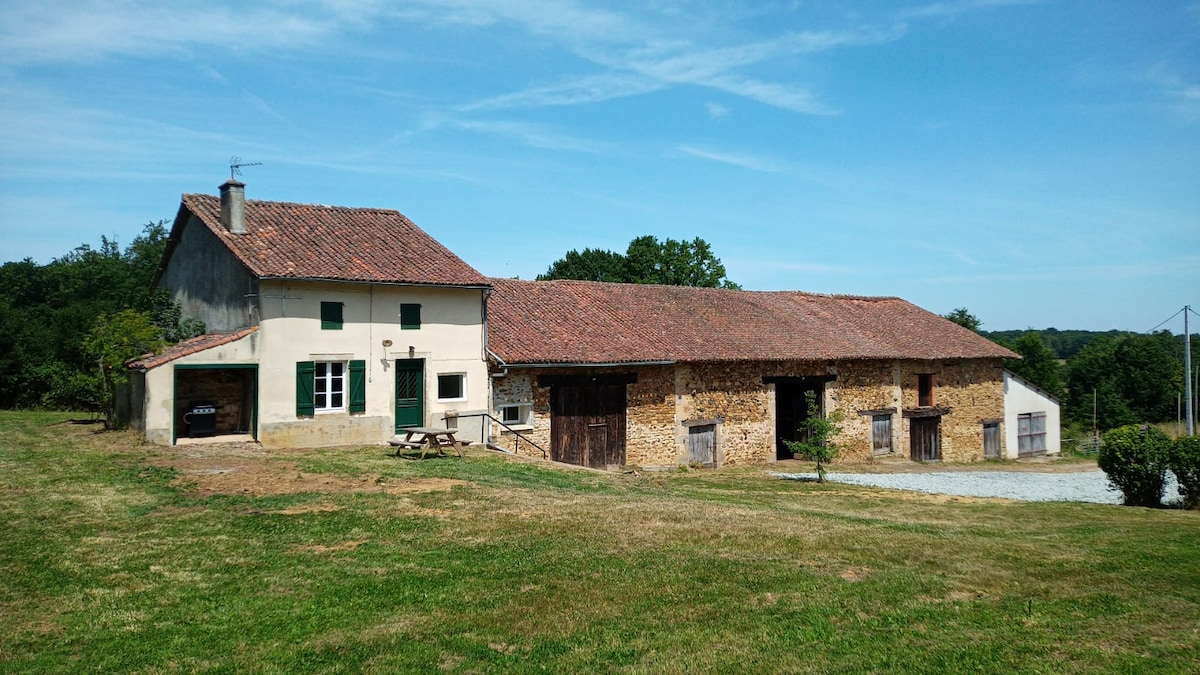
<point x="587" y="424"/>
<point x="925" y="438"/>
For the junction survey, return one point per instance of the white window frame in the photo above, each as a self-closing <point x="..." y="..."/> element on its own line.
<point x="462" y="379"/>
<point x="329" y="385"/>
<point x="524" y="414"/>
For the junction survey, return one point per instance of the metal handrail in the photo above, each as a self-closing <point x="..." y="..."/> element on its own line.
<point x="517" y="445"/>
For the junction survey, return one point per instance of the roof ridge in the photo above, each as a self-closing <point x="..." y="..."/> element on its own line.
<point x="836" y="296"/>
<point x="377" y="209"/>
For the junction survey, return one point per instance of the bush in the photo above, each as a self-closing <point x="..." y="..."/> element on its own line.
<point x="1185" y="464"/>
<point x="1135" y="459"/>
<point x="821" y="431"/>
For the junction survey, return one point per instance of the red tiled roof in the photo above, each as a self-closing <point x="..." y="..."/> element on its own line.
<point x="546" y="322"/>
<point x="187" y="347"/>
<point x="306" y="241"/>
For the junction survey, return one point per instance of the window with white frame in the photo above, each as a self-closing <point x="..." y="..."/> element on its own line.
<point x="329" y="386"/>
<point x="1031" y="433"/>
<point x="516" y="414"/>
<point x="451" y="386"/>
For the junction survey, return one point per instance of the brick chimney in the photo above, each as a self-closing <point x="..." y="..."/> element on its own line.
<point x="233" y="206"/>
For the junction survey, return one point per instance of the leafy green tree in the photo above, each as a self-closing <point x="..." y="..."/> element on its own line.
<point x="112" y="342"/>
<point x="591" y="264"/>
<point x="1134" y="378"/>
<point x="47" y="311"/>
<point x="1135" y="459"/>
<point x="821" y="430"/>
<point x="965" y="319"/>
<point x="646" y="261"/>
<point x="1038" y="364"/>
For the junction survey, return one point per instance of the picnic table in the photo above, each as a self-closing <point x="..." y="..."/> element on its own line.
<point x="426" y="439"/>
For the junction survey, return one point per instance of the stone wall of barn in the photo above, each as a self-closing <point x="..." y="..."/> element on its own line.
<point x="666" y="400"/>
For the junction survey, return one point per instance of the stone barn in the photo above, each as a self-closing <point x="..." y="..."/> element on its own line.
<point x="607" y="375"/>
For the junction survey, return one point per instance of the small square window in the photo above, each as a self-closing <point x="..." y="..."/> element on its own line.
<point x="331" y="316"/>
<point x="516" y="414"/>
<point x="410" y="316"/>
<point x="452" y="386"/>
<point x="924" y="390"/>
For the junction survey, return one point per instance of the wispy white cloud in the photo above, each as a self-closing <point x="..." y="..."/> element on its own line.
<point x="740" y="160"/>
<point x="957" y="7"/>
<point x="534" y="135"/>
<point x="591" y="89"/>
<point x="87" y="30"/>
<point x="716" y="110"/>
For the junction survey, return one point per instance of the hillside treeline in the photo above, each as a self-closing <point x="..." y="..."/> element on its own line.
<point x="50" y="316"/>
<point x="1114" y="377"/>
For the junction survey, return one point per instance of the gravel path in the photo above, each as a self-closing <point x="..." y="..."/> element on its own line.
<point x="1081" y="486"/>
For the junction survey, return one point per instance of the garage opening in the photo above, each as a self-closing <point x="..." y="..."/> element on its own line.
<point x="215" y="403"/>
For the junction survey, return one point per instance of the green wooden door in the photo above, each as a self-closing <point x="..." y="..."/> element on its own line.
<point x="410" y="393"/>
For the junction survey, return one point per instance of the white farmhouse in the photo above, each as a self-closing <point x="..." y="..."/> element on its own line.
<point x="327" y="326"/>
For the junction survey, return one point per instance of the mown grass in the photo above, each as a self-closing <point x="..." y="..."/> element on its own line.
<point x="111" y="563"/>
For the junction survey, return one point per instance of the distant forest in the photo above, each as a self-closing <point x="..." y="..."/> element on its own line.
<point x="1064" y="343"/>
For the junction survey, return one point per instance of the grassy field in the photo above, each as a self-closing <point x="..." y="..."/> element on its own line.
<point x="118" y="556"/>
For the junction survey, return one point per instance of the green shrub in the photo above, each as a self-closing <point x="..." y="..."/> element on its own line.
<point x="1135" y="459"/>
<point x="1185" y="464"/>
<point x="820" y="430"/>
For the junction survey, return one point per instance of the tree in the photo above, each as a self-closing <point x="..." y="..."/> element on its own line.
<point x="965" y="319"/>
<point x="592" y="264"/>
<point x="820" y="430"/>
<point x="47" y="312"/>
<point x="1038" y="363"/>
<point x="1133" y="379"/>
<point x="646" y="261"/>
<point x="112" y="342"/>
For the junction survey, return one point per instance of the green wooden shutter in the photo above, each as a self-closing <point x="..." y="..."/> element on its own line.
<point x="358" y="386"/>
<point x="331" y="316"/>
<point x="305" y="373"/>
<point x="410" y="316"/>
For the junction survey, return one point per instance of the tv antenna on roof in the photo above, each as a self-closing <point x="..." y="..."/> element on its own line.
<point x="236" y="164"/>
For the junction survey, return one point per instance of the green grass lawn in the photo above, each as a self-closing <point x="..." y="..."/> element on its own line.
<point x="119" y="556"/>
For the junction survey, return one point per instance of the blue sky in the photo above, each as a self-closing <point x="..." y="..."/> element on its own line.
<point x="1035" y="162"/>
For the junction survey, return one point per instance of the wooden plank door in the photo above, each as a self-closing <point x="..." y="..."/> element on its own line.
<point x="701" y="445"/>
<point x="410" y="393"/>
<point x="881" y="435"/>
<point x="925" y="439"/>
<point x="587" y="424"/>
<point x="991" y="440"/>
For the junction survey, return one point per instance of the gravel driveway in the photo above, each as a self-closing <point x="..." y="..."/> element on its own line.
<point x="1079" y="486"/>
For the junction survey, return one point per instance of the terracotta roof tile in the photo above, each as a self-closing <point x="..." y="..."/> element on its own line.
<point x="188" y="347"/>
<point x="547" y="322"/>
<point x="306" y="241"/>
